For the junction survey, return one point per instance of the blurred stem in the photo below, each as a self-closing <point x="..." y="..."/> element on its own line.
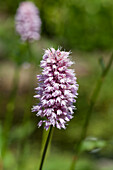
<point x="0" y="141"/>
<point x="28" y="100"/>
<point x="27" y="109"/>
<point x="29" y="51"/>
<point x="45" y="148"/>
<point x="101" y="62"/>
<point x="10" y="110"/>
<point x="90" y="109"/>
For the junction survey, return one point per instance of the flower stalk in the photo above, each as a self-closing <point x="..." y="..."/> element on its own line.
<point x="45" y="148"/>
<point x="30" y="57"/>
<point x="28" y="100"/>
<point x="56" y="92"/>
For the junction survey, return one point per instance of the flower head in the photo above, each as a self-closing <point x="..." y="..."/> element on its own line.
<point x="28" y="22"/>
<point x="57" y="89"/>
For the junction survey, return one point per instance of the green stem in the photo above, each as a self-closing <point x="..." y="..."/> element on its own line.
<point x="29" y="51"/>
<point x="28" y="100"/>
<point x="45" y="148"/>
<point x="90" y="109"/>
<point x="27" y="109"/>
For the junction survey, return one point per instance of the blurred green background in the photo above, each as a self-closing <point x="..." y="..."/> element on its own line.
<point x="86" y="28"/>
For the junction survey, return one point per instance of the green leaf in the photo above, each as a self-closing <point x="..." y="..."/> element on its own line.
<point x="92" y="144"/>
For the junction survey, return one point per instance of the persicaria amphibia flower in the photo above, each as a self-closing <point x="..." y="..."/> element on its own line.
<point x="28" y="22"/>
<point x="57" y="89"/>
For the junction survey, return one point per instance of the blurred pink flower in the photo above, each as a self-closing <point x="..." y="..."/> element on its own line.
<point x="28" y="21"/>
<point x="57" y="89"/>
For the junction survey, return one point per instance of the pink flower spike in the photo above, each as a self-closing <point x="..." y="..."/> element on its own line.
<point x="57" y="90"/>
<point x="28" y="21"/>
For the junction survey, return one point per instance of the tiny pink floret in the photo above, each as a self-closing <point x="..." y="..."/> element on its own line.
<point x="57" y="90"/>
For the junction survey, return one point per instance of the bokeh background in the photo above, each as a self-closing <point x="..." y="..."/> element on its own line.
<point x="86" y="28"/>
